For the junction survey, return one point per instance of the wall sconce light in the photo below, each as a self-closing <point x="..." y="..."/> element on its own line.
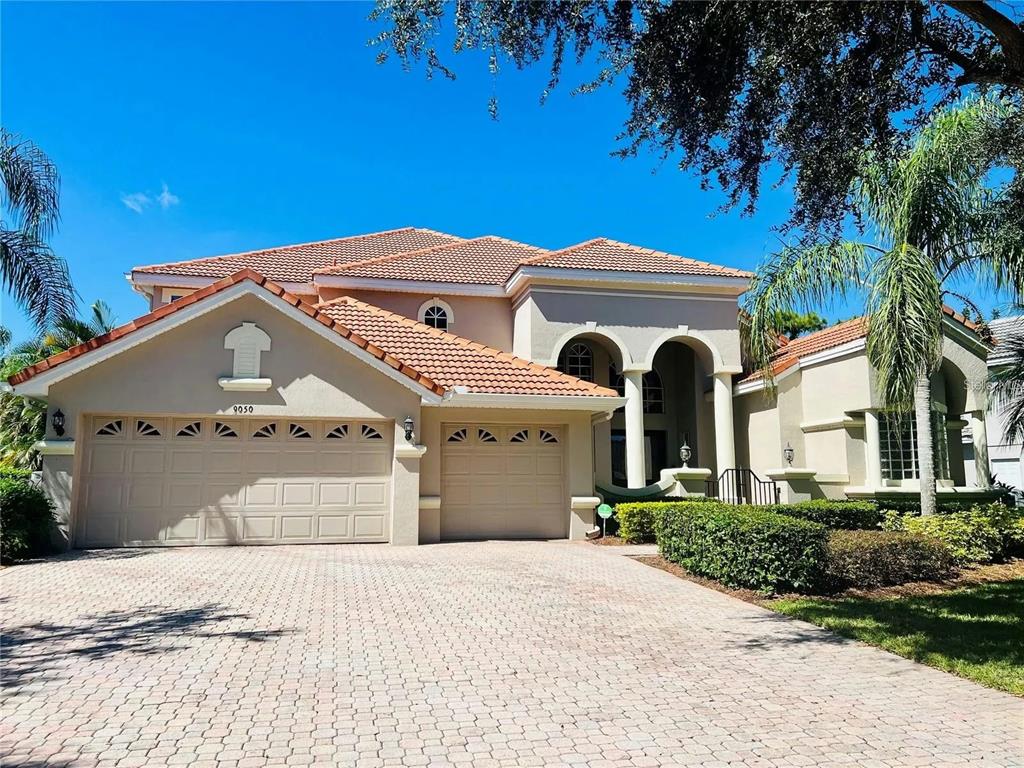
<point x="685" y="453"/>
<point x="788" y="454"/>
<point x="57" y="421"/>
<point x="409" y="424"/>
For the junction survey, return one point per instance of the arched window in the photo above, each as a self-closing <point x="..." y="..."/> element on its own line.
<point x="437" y="314"/>
<point x="577" y="360"/>
<point x="654" y="394"/>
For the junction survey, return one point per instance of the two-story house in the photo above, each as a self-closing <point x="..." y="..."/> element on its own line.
<point x="412" y="386"/>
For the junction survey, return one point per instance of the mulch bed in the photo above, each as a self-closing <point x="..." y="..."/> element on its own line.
<point x="979" y="574"/>
<point x="609" y="541"/>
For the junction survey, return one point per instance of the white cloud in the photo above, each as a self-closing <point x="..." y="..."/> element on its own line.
<point x="136" y="201"/>
<point x="140" y="201"/>
<point x="166" y="198"/>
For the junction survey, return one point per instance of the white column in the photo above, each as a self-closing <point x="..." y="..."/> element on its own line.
<point x="725" y="447"/>
<point x="979" y="435"/>
<point x="873" y="446"/>
<point x="636" y="476"/>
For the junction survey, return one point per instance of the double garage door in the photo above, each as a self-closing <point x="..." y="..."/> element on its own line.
<point x="503" y="482"/>
<point x="153" y="480"/>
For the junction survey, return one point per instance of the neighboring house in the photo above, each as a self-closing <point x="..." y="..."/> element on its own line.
<point x="402" y="386"/>
<point x="1004" y="454"/>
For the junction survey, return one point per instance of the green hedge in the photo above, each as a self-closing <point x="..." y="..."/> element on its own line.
<point x="882" y="558"/>
<point x="25" y="519"/>
<point x="980" y="534"/>
<point x="10" y="473"/>
<point x="837" y="515"/>
<point x="636" y="519"/>
<point x="743" y="546"/>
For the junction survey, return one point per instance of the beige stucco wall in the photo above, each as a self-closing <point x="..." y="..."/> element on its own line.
<point x="480" y="318"/>
<point x="176" y="374"/>
<point x="636" y="323"/>
<point x="758" y="441"/>
<point x="578" y="456"/>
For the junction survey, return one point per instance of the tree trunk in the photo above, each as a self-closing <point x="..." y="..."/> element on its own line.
<point x="925" y="449"/>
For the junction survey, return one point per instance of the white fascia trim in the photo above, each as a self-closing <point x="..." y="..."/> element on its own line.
<point x="746" y="387"/>
<point x="966" y="337"/>
<point x="407" y="286"/>
<point x="148" y="279"/>
<point x="679" y="295"/>
<point x="661" y="280"/>
<point x="592" y="403"/>
<point x="38" y="386"/>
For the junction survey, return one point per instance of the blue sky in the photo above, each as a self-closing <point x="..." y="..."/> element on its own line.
<point x="188" y="130"/>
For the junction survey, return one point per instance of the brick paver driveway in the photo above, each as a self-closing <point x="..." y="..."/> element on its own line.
<point x="485" y="654"/>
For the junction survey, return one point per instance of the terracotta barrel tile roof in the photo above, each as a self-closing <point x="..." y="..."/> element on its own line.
<point x="297" y="263"/>
<point x="434" y="359"/>
<point x="452" y="360"/>
<point x="604" y="254"/>
<point x="790" y="352"/>
<point x="482" y="260"/>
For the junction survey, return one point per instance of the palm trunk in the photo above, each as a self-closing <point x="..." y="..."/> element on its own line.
<point x="925" y="449"/>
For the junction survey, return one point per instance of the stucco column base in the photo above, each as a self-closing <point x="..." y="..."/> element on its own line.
<point x="795" y="483"/>
<point x="583" y="516"/>
<point x="405" y="506"/>
<point x="690" y="481"/>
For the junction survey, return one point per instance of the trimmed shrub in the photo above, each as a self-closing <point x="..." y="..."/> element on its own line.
<point x="837" y="515"/>
<point x="743" y="546"/>
<point x="977" y="535"/>
<point x="883" y="558"/>
<point x="636" y="519"/>
<point x="10" y="473"/>
<point x="25" y="518"/>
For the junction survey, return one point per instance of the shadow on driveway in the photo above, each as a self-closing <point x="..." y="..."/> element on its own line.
<point x="33" y="653"/>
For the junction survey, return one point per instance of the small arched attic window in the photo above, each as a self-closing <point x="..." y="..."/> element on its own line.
<point x="437" y="314"/>
<point x="247" y="341"/>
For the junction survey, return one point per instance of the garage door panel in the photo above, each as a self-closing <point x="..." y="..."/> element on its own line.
<point x="301" y="462"/>
<point x="210" y="480"/>
<point x="146" y="460"/>
<point x="183" y="530"/>
<point x="107" y="458"/>
<point x="146" y="493"/>
<point x="333" y="526"/>
<point x="297" y="527"/>
<point x="102" y="530"/>
<point x="503" y="482"/>
<point x="222" y="528"/>
<point x="259" y="527"/>
<point x="187" y="460"/>
<point x="368" y="526"/>
<point x="370" y="494"/>
<point x="225" y="460"/>
<point x="298" y="494"/>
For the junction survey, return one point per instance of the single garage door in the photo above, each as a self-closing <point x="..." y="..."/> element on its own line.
<point x="152" y="480"/>
<point x="501" y="482"/>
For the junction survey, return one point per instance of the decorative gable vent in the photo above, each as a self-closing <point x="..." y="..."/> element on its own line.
<point x="247" y="341"/>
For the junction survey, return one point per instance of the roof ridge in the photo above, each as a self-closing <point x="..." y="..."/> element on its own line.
<point x="562" y="251"/>
<point x="292" y="246"/>
<point x="467" y="343"/>
<point x="656" y="252"/>
<point x="339" y="268"/>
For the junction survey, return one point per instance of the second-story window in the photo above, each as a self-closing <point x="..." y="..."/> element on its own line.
<point x="436" y="317"/>
<point x="577" y="360"/>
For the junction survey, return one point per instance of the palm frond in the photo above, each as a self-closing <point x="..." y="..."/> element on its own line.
<point x="31" y="186"/>
<point x="1008" y="387"/>
<point x="36" y="277"/>
<point x="904" y="322"/>
<point x="813" y="275"/>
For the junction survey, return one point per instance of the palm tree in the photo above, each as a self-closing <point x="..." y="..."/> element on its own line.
<point x="938" y="226"/>
<point x="23" y="419"/>
<point x="33" y="274"/>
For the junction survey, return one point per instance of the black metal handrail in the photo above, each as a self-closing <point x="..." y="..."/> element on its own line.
<point x="742" y="486"/>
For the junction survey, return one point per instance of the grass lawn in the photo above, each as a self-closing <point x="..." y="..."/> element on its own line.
<point x="976" y="631"/>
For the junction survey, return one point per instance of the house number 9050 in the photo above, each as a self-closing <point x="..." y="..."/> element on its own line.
<point x="243" y="408"/>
